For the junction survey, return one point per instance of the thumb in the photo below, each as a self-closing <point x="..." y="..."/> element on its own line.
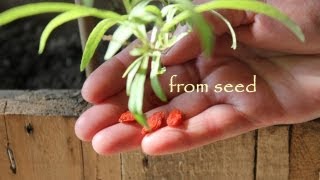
<point x="189" y="47"/>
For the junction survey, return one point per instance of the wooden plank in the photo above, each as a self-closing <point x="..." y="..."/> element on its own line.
<point x="98" y="167"/>
<point x="48" y="150"/>
<point x="44" y="102"/>
<point x="4" y="160"/>
<point x="273" y="153"/>
<point x="228" y="159"/>
<point x="305" y="151"/>
<point x="56" y="103"/>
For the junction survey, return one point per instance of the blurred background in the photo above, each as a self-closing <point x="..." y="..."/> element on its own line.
<point x="58" y="67"/>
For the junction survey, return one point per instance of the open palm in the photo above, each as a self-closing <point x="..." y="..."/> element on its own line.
<point x="288" y="90"/>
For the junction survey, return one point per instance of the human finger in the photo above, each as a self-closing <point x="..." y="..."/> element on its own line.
<point x="216" y="123"/>
<point x="189" y="47"/>
<point x="107" y="113"/>
<point x="107" y="79"/>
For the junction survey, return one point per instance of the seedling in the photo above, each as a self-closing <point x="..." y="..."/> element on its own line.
<point x="163" y="16"/>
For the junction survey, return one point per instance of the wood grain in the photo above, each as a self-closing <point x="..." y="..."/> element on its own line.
<point x="50" y="151"/>
<point x="305" y="151"/>
<point x="228" y="159"/>
<point x="44" y="102"/>
<point x="273" y="153"/>
<point x="98" y="167"/>
<point x="4" y="160"/>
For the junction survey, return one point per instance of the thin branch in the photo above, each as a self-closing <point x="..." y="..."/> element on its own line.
<point x="85" y="27"/>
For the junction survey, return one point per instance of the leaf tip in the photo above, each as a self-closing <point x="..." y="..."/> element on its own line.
<point x="107" y="57"/>
<point x="41" y="49"/>
<point x="82" y="67"/>
<point x="302" y="38"/>
<point x="299" y="33"/>
<point x="164" y="99"/>
<point x="141" y="119"/>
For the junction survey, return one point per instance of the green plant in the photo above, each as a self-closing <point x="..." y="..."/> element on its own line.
<point x="88" y="3"/>
<point x="163" y="19"/>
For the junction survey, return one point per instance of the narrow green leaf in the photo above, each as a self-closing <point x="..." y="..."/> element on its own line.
<point x="162" y="70"/>
<point x="175" y="21"/>
<point x="119" y="37"/>
<point x="155" y="71"/>
<point x="131" y="66"/>
<point x="142" y="30"/>
<point x="203" y="28"/>
<point x="139" y="30"/>
<point x="34" y="9"/>
<point x="127" y="5"/>
<point x="58" y="21"/>
<point x="154" y="34"/>
<point x="94" y="40"/>
<point x="141" y="119"/>
<point x="50" y="7"/>
<point x="171" y="13"/>
<point x="135" y="2"/>
<point x="205" y="32"/>
<point x="254" y="6"/>
<point x="166" y="9"/>
<point x="69" y="16"/>
<point x="232" y="32"/>
<point x="137" y="91"/>
<point x="175" y="39"/>
<point x="136" y="52"/>
<point x="154" y="10"/>
<point x="139" y="10"/>
<point x="143" y="13"/>
<point x="131" y="74"/>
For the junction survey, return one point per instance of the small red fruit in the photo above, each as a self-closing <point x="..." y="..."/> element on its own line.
<point x="127" y="117"/>
<point x="155" y="122"/>
<point x="175" y="118"/>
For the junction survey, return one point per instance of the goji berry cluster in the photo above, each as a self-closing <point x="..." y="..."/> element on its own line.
<point x="126" y="117"/>
<point x="156" y="121"/>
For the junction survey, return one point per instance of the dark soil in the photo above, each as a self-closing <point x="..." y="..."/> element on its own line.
<point x="22" y="68"/>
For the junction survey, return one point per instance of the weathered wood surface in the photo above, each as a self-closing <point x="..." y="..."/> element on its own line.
<point x="43" y="102"/>
<point x="100" y="167"/>
<point x="4" y="160"/>
<point x="50" y="150"/>
<point x="47" y="150"/>
<point x="305" y="151"/>
<point x="229" y="159"/>
<point x="273" y="153"/>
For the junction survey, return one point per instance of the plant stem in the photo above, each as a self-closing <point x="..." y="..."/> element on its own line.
<point x="85" y="27"/>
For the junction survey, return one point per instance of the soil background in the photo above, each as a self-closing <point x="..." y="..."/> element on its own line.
<point x="57" y="68"/>
<point x="22" y="68"/>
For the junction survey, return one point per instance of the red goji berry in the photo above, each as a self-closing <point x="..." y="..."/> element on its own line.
<point x="155" y="122"/>
<point x="175" y="118"/>
<point x="126" y="117"/>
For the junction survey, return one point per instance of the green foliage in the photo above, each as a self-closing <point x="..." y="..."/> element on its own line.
<point x="157" y="70"/>
<point x="94" y="40"/>
<point x="203" y="28"/>
<point x="232" y="32"/>
<point x="131" y="72"/>
<point x="88" y="3"/>
<point x="137" y="91"/>
<point x="119" y="37"/>
<point x="140" y="15"/>
<point x="253" y="6"/>
<point x="33" y="9"/>
<point x="69" y="16"/>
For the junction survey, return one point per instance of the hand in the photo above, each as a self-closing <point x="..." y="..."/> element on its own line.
<point x="288" y="86"/>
